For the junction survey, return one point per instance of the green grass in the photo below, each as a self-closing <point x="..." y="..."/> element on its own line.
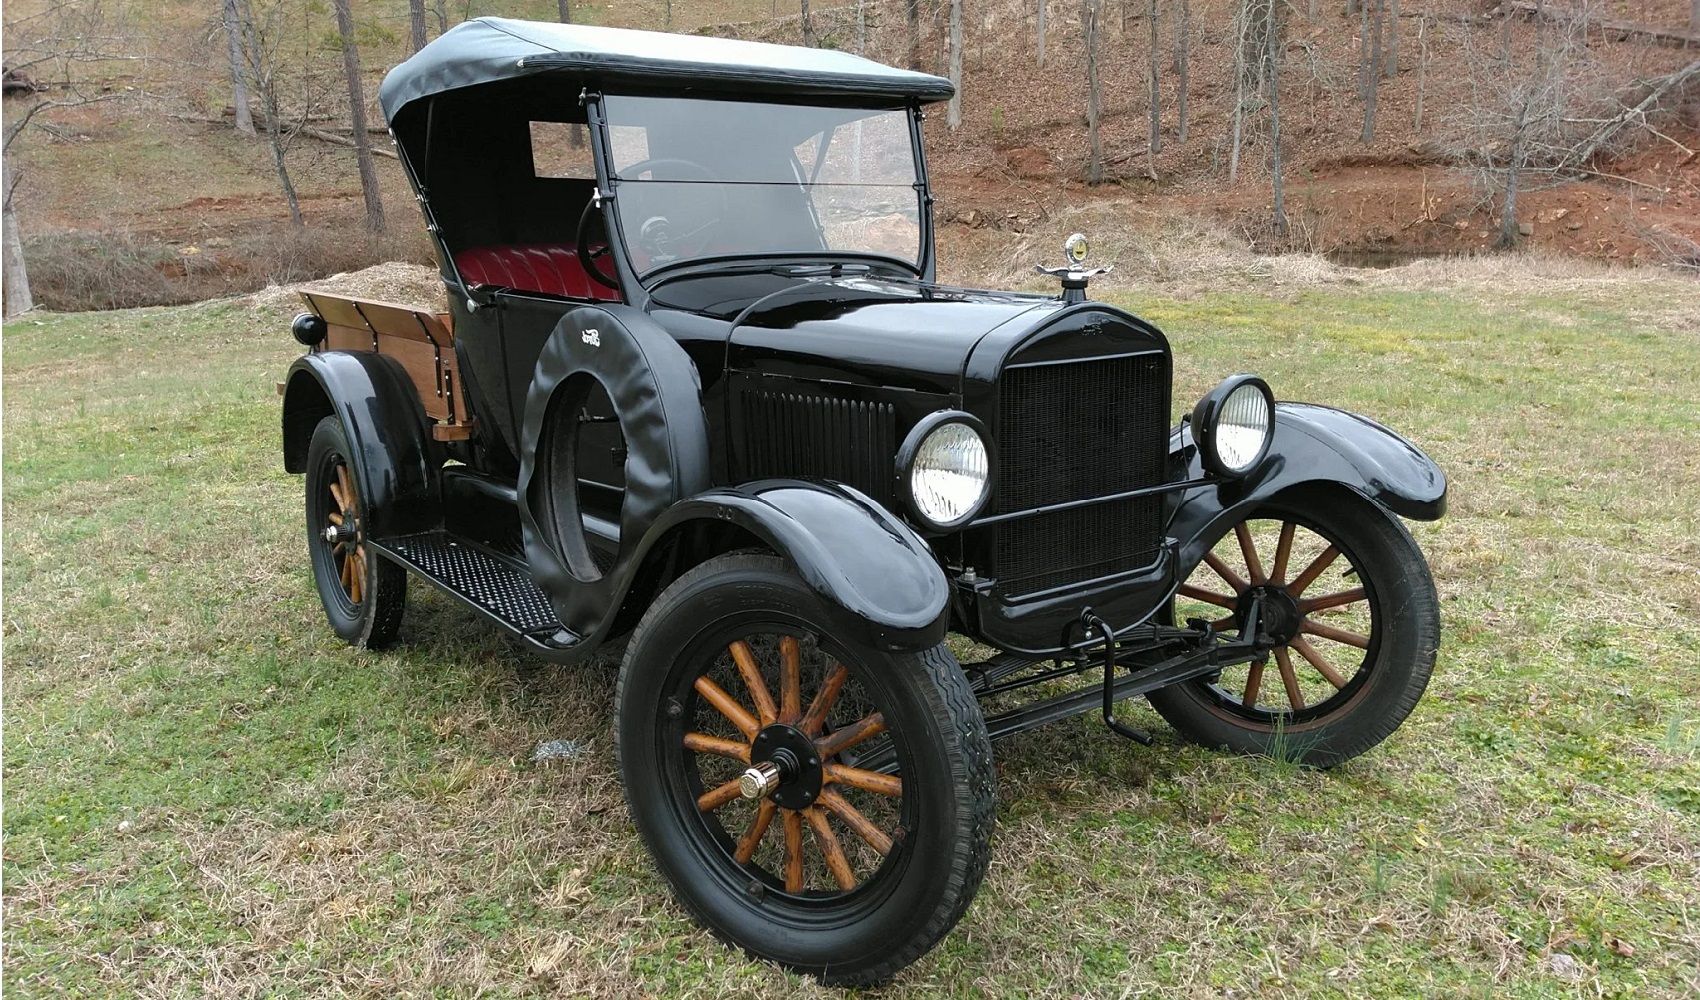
<point x="206" y="794"/>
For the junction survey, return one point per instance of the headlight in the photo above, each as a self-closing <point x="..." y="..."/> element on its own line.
<point x="1233" y="424"/>
<point x="945" y="469"/>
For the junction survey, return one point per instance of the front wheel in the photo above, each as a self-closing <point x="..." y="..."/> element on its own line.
<point x="867" y="832"/>
<point x="364" y="594"/>
<point x="1346" y="595"/>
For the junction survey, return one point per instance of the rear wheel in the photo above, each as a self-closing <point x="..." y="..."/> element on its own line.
<point x="866" y="835"/>
<point x="364" y="594"/>
<point x="1346" y="594"/>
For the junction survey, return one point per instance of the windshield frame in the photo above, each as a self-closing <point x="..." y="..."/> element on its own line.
<point x="609" y="182"/>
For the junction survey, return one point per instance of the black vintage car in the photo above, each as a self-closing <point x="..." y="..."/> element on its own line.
<point x="699" y="392"/>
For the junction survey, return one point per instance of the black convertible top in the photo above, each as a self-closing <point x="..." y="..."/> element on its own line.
<point x="492" y="49"/>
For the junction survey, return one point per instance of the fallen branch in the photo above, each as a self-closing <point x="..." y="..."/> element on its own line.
<point x="1585" y="152"/>
<point x="1661" y="36"/>
<point x="311" y="133"/>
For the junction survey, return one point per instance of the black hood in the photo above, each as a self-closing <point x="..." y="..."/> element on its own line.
<point x="877" y="332"/>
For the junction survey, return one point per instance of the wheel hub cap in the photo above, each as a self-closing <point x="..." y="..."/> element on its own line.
<point x="785" y="764"/>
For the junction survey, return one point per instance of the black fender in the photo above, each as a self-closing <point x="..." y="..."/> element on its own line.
<point x="387" y="429"/>
<point x="657" y="398"/>
<point x="1312" y="445"/>
<point x="877" y="578"/>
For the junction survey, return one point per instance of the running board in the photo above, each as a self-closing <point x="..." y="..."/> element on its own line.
<point x="496" y="586"/>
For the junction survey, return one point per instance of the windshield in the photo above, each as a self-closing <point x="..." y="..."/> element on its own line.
<point x="697" y="178"/>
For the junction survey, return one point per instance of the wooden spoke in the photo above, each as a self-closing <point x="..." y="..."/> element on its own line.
<point x="1200" y="594"/>
<point x="867" y="781"/>
<point x="335" y="518"/>
<point x="793" y="823"/>
<point x="1318" y="661"/>
<point x="359" y="573"/>
<point x="843" y="739"/>
<point x="859" y="824"/>
<point x="836" y="862"/>
<point x="336" y="494"/>
<point x="1295" y="697"/>
<point x="1248" y="549"/>
<point x="728" y="706"/>
<point x="823" y="701"/>
<point x="1283" y="552"/>
<point x="1314" y="570"/>
<point x="1222" y="624"/>
<point x="1253" y="682"/>
<point x="347" y="571"/>
<point x="714" y="798"/>
<point x="758" y="829"/>
<point x="750" y="670"/>
<point x="1327" y="601"/>
<point x="1337" y="634"/>
<point x="704" y="743"/>
<point x="790" y="680"/>
<point x="1228" y="576"/>
<point x="347" y="482"/>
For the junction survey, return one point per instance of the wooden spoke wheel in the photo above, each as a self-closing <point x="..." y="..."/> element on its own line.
<point x="836" y="822"/>
<point x="1345" y="600"/>
<point x="821" y="804"/>
<point x="364" y="596"/>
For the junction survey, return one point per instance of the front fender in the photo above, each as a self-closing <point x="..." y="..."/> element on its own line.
<point x="875" y="575"/>
<point x="1312" y="444"/>
<point x="386" y="428"/>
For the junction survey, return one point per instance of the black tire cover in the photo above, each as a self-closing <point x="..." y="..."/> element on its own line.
<point x="657" y="397"/>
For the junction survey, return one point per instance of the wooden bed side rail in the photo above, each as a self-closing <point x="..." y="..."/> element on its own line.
<point x="420" y="340"/>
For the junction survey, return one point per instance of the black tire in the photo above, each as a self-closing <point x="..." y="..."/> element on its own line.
<point x="1403" y="618"/>
<point x="913" y="893"/>
<point x="366" y="614"/>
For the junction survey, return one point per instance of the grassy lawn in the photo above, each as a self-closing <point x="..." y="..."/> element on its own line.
<point x="205" y="793"/>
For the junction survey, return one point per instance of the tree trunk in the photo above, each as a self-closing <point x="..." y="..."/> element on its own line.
<point x="16" y="275"/>
<point x="861" y="30"/>
<point x="667" y="17"/>
<point x="441" y="9"/>
<point x="808" y="30"/>
<point x="416" y="23"/>
<point x="1508" y="214"/>
<point x="1422" y="66"/>
<point x="954" y="112"/>
<point x="1390" y="62"/>
<point x="1095" y="157"/>
<point x="357" y="118"/>
<point x="1370" y="64"/>
<point x="1040" y="31"/>
<point x="1154" y="140"/>
<point x="912" y="13"/>
<point x="238" y="68"/>
<point x="1183" y="42"/>
<point x="565" y="11"/>
<point x="1272" y="73"/>
<point x="1694" y="15"/>
<point x="1239" y="94"/>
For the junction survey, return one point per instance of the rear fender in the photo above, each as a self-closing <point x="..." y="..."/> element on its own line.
<point x="1312" y="445"/>
<point x="877" y="578"/>
<point x="386" y="427"/>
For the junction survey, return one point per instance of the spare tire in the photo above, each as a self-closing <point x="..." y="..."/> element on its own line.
<point x="657" y="401"/>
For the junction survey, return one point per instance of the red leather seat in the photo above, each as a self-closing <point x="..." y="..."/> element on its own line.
<point x="549" y="268"/>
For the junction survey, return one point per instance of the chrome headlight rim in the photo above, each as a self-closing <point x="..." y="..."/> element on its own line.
<point x="911" y="448"/>
<point x="1206" y="421"/>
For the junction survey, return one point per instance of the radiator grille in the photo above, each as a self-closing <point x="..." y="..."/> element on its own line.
<point x="821" y="437"/>
<point x="1073" y="431"/>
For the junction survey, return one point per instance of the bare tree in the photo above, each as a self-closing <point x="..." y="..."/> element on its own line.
<point x="1390" y="64"/>
<point x="953" y="112"/>
<point x="416" y="23"/>
<point x="441" y="9"/>
<point x="1272" y="78"/>
<point x="264" y="33"/>
<point x="1369" y="62"/>
<point x="1694" y="15"/>
<point x="45" y="43"/>
<point x="808" y="29"/>
<point x="1531" y="115"/>
<point x="1183" y="42"/>
<point x="1154" y="139"/>
<point x="1422" y="66"/>
<point x="667" y="16"/>
<point x="912" y="14"/>
<point x="861" y="29"/>
<point x="1095" y="157"/>
<point x="1039" y="30"/>
<point x="565" y="10"/>
<point x="232" y="25"/>
<point x="357" y="118"/>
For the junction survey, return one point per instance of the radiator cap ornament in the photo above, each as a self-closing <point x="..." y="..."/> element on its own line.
<point x="1074" y="277"/>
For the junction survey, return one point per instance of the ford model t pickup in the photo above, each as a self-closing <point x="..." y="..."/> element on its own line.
<point x="699" y="392"/>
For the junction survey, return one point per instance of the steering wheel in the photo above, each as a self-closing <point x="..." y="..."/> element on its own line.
<point x="587" y="257"/>
<point x="665" y="238"/>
